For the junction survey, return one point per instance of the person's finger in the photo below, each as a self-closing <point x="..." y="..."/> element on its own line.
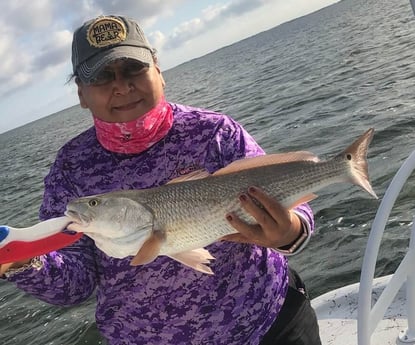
<point x="4" y="268"/>
<point x="273" y="207"/>
<point x="262" y="217"/>
<point x="249" y="231"/>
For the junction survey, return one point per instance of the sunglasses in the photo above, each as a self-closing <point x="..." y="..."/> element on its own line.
<point x="128" y="70"/>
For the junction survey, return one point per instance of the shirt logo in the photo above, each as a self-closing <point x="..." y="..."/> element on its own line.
<point x="188" y="170"/>
<point x="106" y="31"/>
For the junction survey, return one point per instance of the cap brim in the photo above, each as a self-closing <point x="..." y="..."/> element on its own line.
<point x="89" y="69"/>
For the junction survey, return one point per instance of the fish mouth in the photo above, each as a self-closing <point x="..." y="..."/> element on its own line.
<point x="75" y="217"/>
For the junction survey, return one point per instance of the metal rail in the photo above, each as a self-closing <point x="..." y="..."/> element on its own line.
<point x="368" y="316"/>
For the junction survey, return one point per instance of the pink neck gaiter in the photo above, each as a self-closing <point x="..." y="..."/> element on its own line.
<point x="137" y="135"/>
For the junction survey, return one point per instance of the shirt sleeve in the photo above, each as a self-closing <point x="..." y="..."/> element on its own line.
<point x="67" y="276"/>
<point x="231" y="142"/>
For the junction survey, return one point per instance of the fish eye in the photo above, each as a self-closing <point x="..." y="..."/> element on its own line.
<point x="93" y="202"/>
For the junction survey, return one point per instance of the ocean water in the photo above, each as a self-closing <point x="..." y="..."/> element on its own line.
<point x="315" y="83"/>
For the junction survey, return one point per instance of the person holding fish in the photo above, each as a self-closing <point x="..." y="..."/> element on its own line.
<point x="237" y="290"/>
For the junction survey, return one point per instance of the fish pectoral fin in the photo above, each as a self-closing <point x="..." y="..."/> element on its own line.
<point x="149" y="250"/>
<point x="302" y="200"/>
<point x="195" y="259"/>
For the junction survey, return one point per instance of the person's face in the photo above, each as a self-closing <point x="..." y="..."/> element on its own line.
<point x="123" y="91"/>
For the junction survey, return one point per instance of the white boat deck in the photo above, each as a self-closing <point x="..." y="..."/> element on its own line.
<point x="337" y="316"/>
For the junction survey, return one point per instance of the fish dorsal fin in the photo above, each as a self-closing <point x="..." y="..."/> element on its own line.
<point x="258" y="161"/>
<point x="195" y="259"/>
<point x="194" y="175"/>
<point x="149" y="250"/>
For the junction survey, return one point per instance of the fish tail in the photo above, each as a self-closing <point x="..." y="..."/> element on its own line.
<point x="356" y="155"/>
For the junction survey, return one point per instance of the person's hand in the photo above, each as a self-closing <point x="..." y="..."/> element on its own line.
<point x="276" y="226"/>
<point x="5" y="267"/>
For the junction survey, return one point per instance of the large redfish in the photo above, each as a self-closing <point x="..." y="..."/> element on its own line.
<point x="181" y="217"/>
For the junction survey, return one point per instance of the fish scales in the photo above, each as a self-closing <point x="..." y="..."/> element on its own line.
<point x="192" y="213"/>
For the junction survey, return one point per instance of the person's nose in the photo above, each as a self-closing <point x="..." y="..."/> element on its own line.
<point x="121" y="84"/>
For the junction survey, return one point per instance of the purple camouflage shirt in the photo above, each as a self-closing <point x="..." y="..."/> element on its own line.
<point x="163" y="302"/>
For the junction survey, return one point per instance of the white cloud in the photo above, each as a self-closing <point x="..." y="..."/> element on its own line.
<point x="226" y="23"/>
<point x="185" y="31"/>
<point x="146" y="11"/>
<point x="25" y="16"/>
<point x="157" y="39"/>
<point x="213" y="11"/>
<point x="54" y="51"/>
<point x="14" y="61"/>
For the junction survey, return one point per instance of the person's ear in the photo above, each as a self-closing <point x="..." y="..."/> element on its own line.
<point x="82" y="101"/>
<point x="163" y="82"/>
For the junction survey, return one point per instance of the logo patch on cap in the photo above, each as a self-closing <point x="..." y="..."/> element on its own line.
<point x="106" y="31"/>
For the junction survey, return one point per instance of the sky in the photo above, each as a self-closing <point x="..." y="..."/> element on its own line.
<point x="36" y="36"/>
